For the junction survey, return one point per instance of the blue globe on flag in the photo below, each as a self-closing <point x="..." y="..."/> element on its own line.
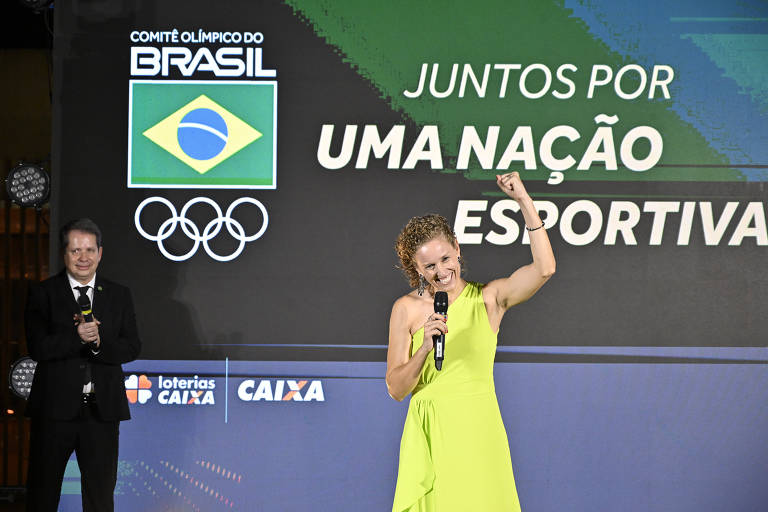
<point x="202" y="134"/>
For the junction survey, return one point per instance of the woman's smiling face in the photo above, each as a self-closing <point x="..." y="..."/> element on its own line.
<point x="438" y="261"/>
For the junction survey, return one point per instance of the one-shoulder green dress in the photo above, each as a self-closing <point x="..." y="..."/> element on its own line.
<point x="454" y="453"/>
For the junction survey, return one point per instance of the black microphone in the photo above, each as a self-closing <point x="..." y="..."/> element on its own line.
<point x="85" y="307"/>
<point x="441" y="308"/>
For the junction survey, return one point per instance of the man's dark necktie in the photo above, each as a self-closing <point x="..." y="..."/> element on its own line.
<point x="87" y="376"/>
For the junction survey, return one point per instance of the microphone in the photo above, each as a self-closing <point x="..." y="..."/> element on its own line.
<point x="85" y="307"/>
<point x="441" y="308"/>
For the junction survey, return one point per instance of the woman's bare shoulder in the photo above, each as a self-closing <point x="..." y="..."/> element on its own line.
<point x="411" y="310"/>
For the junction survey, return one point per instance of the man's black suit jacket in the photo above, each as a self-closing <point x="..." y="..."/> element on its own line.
<point x="53" y="342"/>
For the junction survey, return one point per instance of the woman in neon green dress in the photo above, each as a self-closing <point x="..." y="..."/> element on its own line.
<point x="454" y="454"/>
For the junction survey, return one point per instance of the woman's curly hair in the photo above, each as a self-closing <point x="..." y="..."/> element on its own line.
<point x="416" y="233"/>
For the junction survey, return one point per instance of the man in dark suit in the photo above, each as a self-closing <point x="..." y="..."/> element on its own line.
<point x="78" y="393"/>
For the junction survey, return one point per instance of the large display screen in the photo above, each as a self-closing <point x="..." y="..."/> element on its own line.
<point x="252" y="162"/>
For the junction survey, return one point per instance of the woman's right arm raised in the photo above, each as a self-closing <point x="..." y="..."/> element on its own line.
<point x="402" y="370"/>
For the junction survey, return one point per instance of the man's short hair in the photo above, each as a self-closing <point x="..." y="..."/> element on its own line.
<point x="86" y="225"/>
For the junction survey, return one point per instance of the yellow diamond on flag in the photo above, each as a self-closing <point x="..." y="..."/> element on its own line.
<point x="202" y="134"/>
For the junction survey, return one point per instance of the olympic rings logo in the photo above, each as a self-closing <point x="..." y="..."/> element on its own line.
<point x="168" y="227"/>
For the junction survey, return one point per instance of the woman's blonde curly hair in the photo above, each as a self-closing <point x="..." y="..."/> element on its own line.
<point x="416" y="233"/>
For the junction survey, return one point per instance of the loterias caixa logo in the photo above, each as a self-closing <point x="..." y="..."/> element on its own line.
<point x="202" y="114"/>
<point x="173" y="390"/>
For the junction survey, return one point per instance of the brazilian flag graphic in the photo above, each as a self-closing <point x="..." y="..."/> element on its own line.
<point x="196" y="134"/>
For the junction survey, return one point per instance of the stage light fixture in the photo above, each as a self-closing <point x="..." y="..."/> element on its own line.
<point x="28" y="185"/>
<point x="20" y="376"/>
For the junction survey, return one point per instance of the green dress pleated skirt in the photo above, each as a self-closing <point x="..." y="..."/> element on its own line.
<point x="454" y="453"/>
